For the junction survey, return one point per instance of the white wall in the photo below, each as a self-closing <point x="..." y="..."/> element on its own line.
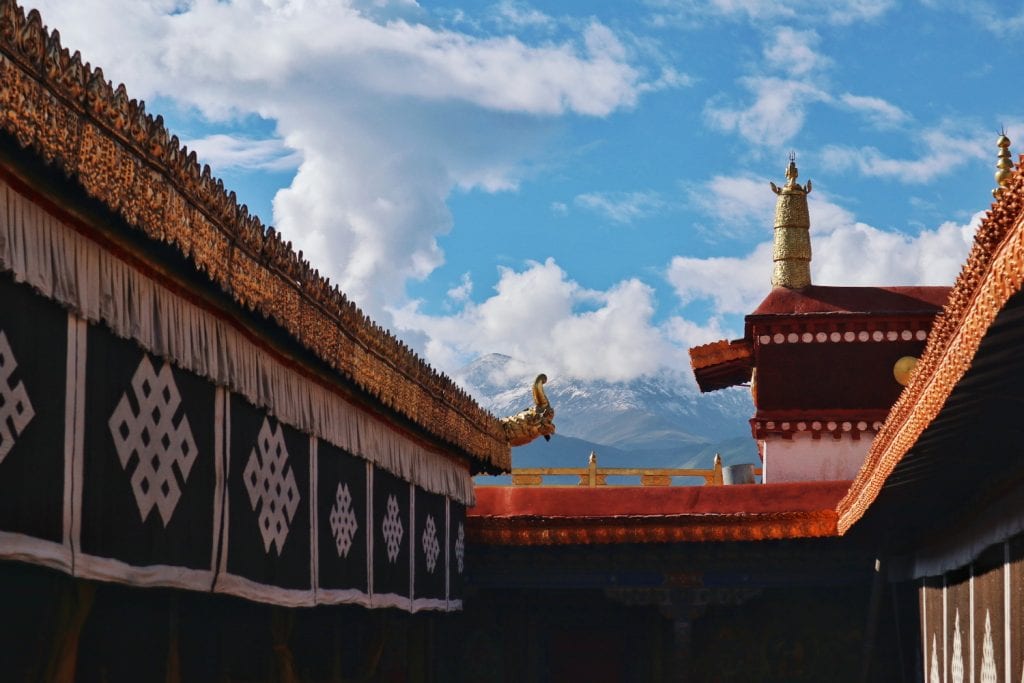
<point x="804" y="459"/>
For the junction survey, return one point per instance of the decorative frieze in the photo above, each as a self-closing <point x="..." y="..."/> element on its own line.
<point x="837" y="333"/>
<point x="816" y="428"/>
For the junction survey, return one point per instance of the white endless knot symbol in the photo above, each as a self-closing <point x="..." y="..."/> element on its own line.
<point x="343" y="520"/>
<point x="15" y="408"/>
<point x="431" y="548"/>
<point x="393" y="529"/>
<point x="271" y="485"/>
<point x="460" y="546"/>
<point x="151" y="438"/>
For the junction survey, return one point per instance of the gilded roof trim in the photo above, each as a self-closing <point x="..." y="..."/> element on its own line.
<point x="70" y="115"/>
<point x="700" y="528"/>
<point x="994" y="272"/>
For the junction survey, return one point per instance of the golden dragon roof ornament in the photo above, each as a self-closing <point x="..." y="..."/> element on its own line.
<point x="537" y="420"/>
<point x="792" y="249"/>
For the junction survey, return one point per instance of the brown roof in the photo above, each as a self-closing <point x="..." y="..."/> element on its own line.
<point x="993" y="273"/>
<point x="816" y="300"/>
<point x="73" y="118"/>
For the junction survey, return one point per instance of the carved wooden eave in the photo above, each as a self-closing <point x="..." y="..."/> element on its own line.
<point x="993" y="273"/>
<point x="722" y="364"/>
<point x="67" y="113"/>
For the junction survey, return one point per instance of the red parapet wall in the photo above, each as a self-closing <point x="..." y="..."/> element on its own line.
<point x="554" y="515"/>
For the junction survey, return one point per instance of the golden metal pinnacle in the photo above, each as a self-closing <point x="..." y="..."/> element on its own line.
<point x="1004" y="166"/>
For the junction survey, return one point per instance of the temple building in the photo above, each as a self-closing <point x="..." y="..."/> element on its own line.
<point x="819" y="359"/>
<point x="214" y="467"/>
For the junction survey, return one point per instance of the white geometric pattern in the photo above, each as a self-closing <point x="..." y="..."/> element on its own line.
<point x="460" y="547"/>
<point x="151" y="438"/>
<point x="431" y="548"/>
<point x="15" y="408"/>
<point x="343" y="520"/>
<point x="934" y="678"/>
<point x="956" y="669"/>
<point x="988" y="657"/>
<point x="271" y="484"/>
<point x="393" y="529"/>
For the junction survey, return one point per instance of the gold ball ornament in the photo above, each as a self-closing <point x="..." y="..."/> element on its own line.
<point x="904" y="369"/>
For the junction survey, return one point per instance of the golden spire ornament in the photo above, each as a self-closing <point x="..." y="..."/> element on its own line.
<point x="792" y="248"/>
<point x="1005" y="164"/>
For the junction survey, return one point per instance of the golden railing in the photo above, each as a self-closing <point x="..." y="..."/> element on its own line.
<point x="592" y="475"/>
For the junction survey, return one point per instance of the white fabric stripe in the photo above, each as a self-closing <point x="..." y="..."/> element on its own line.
<point x="22" y="548"/>
<point x="314" y="520"/>
<point x="945" y="632"/>
<point x="434" y="604"/>
<point x="447" y="553"/>
<point x="369" y="529"/>
<point x="971" y="599"/>
<point x="1006" y="609"/>
<point x="339" y="596"/>
<point x="219" y="480"/>
<point x="168" y="576"/>
<point x="241" y="587"/>
<point x="77" y="454"/>
<point x="924" y="626"/>
<point x="71" y="375"/>
<point x="391" y="600"/>
<point x="222" y="570"/>
<point x="65" y="266"/>
<point x="412" y="546"/>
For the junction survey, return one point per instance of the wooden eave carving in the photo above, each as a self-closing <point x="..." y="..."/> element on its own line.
<point x="65" y="111"/>
<point x="994" y="272"/>
<point x="722" y="364"/>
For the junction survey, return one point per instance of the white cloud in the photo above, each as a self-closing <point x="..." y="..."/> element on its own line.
<point x="776" y="115"/>
<point x="997" y="17"/>
<point x="836" y="12"/>
<point x="745" y="205"/>
<point x="461" y="292"/>
<point x="845" y="250"/>
<point x="942" y="153"/>
<point x="622" y="207"/>
<point x="876" y="109"/>
<point x="229" y="151"/>
<point x="521" y="14"/>
<point x="387" y="115"/>
<point x="852" y="254"/>
<point x="794" y="51"/>
<point x="540" y="314"/>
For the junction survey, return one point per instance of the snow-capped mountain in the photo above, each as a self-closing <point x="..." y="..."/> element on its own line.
<point x="661" y="421"/>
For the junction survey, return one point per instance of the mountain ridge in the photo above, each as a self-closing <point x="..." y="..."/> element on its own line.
<point x="660" y="421"/>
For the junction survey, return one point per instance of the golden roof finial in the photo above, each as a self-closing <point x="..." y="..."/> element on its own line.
<point x="1005" y="164"/>
<point x="792" y="249"/>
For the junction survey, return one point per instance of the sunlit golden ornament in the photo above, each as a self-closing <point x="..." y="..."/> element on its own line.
<point x="904" y="369"/>
<point x="791" y="251"/>
<point x="1004" y="165"/>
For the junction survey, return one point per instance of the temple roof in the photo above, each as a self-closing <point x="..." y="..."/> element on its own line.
<point x="984" y="304"/>
<point x="68" y="114"/>
<point x="556" y="515"/>
<point x="818" y="300"/>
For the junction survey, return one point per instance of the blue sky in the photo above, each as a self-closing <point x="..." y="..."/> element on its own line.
<point x="583" y="186"/>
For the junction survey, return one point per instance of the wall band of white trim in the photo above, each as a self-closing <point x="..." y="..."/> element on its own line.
<point x="40" y="250"/>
